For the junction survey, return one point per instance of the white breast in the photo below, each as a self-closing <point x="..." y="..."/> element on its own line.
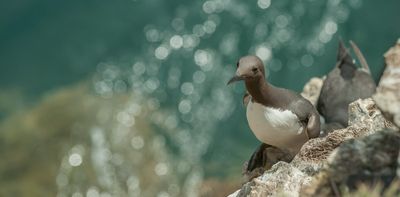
<point x="280" y="128"/>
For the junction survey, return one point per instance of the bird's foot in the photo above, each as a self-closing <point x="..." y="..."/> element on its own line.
<point x="250" y="175"/>
<point x="263" y="159"/>
<point x="256" y="164"/>
<point x="258" y="158"/>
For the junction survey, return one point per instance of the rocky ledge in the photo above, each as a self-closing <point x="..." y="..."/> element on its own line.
<point x="367" y="151"/>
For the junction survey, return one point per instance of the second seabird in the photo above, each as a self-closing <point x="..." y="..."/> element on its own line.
<point x="277" y="116"/>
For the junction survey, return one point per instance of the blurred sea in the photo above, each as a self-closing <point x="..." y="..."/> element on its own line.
<point x="129" y="97"/>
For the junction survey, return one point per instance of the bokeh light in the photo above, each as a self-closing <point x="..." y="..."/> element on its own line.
<point x="150" y="113"/>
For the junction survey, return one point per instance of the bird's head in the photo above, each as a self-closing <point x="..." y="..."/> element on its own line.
<point x="249" y="68"/>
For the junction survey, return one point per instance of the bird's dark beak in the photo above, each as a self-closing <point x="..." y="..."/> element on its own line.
<point x="235" y="78"/>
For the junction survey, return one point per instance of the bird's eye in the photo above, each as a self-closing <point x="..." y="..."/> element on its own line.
<point x="237" y="64"/>
<point x="254" y="70"/>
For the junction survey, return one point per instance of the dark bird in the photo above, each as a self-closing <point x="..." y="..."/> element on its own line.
<point x="343" y="85"/>
<point x="278" y="117"/>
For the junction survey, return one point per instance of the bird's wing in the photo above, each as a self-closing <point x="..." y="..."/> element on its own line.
<point x="307" y="115"/>
<point x="301" y="108"/>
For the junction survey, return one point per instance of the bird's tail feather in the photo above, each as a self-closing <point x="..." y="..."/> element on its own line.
<point x="343" y="55"/>
<point x="360" y="57"/>
<point x="345" y="62"/>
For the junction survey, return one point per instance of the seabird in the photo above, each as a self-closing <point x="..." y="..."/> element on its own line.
<point x="278" y="117"/>
<point x="343" y="85"/>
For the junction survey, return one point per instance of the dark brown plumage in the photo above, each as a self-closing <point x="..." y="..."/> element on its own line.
<point x="343" y="85"/>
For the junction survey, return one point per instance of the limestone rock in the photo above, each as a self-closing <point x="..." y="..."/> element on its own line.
<point x="282" y="178"/>
<point x="366" y="160"/>
<point x="387" y="96"/>
<point x="365" y="113"/>
<point x="364" y="119"/>
<point x="312" y="89"/>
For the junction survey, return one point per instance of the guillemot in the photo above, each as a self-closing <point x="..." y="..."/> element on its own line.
<point x="278" y="117"/>
<point x="343" y="85"/>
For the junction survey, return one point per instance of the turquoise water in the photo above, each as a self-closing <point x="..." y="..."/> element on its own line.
<point x="172" y="61"/>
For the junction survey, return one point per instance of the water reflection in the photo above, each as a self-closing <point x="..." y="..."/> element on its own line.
<point x="159" y="122"/>
<point x="192" y="71"/>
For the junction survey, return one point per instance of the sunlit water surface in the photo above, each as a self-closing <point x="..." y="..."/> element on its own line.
<point x="168" y="122"/>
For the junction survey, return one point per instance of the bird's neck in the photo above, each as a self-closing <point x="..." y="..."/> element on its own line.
<point x="258" y="89"/>
<point x="347" y="70"/>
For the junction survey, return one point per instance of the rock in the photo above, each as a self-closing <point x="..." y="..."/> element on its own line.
<point x="282" y="178"/>
<point x="312" y="89"/>
<point x="290" y="178"/>
<point x="366" y="160"/>
<point x="365" y="113"/>
<point x="387" y="96"/>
